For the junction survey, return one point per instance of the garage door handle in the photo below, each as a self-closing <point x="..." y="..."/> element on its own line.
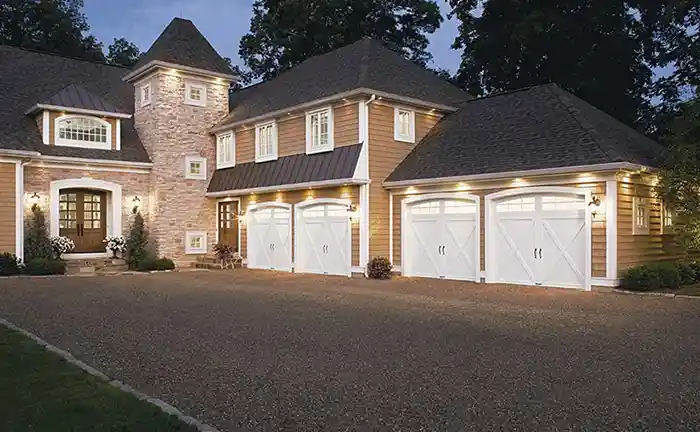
<point x="540" y="253"/>
<point x="535" y="252"/>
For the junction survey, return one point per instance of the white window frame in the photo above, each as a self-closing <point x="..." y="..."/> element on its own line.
<point x="189" y="250"/>
<point x="666" y="216"/>
<point x="189" y="84"/>
<point x="309" y="138"/>
<point x="411" y="137"/>
<point x="193" y="176"/>
<point x="83" y="144"/>
<point x="643" y="227"/>
<point x="142" y="92"/>
<point x="232" y="148"/>
<point x="273" y="155"/>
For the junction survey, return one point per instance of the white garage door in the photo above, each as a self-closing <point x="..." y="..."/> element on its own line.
<point x="441" y="239"/>
<point x="323" y="240"/>
<point x="538" y="240"/>
<point x="269" y="229"/>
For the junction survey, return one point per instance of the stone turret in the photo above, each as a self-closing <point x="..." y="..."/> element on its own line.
<point x="181" y="91"/>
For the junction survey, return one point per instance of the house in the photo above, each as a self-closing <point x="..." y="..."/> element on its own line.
<point x="350" y="155"/>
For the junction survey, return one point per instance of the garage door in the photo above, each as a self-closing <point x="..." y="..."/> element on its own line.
<point x="269" y="239"/>
<point x="441" y="239"/>
<point x="323" y="239"/>
<point x="538" y="239"/>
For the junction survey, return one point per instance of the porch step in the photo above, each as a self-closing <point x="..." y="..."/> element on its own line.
<point x="206" y="265"/>
<point x="93" y="266"/>
<point x="207" y="259"/>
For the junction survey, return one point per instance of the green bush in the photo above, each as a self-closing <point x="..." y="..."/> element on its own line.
<point x="37" y="243"/>
<point x="379" y="268"/>
<point x="137" y="247"/>
<point x="9" y="264"/>
<point x="43" y="266"/>
<point x="687" y="273"/>
<point x="651" y="277"/>
<point x="156" y="264"/>
<point x="695" y="266"/>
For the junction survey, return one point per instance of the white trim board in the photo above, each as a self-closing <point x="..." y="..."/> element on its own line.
<point x="605" y="282"/>
<point x="611" y="229"/>
<point x="19" y="210"/>
<point x="39" y="107"/>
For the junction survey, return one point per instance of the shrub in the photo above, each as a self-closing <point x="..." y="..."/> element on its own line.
<point x="224" y="252"/>
<point x="61" y="245"/>
<point x="137" y="243"/>
<point x="379" y="268"/>
<point x="36" y="238"/>
<point x="695" y="266"/>
<point x="9" y="264"/>
<point x="687" y="274"/>
<point x="156" y="264"/>
<point x="650" y="277"/>
<point x="43" y="266"/>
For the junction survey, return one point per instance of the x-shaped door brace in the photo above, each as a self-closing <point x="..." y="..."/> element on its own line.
<point x="511" y="243"/>
<point x="461" y="247"/>
<point x="564" y="250"/>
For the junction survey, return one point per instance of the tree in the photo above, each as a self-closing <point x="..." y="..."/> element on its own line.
<point x="588" y="47"/>
<point x="49" y="25"/>
<point x="122" y="52"/>
<point x="36" y="236"/>
<point x="679" y="180"/>
<point x="283" y="33"/>
<point x="137" y="243"/>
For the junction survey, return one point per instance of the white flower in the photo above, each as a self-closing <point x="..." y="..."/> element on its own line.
<point x="61" y="245"/>
<point x="115" y="243"/>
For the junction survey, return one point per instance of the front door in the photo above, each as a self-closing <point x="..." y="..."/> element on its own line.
<point x="82" y="218"/>
<point x="228" y="223"/>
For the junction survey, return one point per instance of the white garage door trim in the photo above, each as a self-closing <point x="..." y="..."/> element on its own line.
<point x="250" y="244"/>
<point x="304" y="205"/>
<point x="490" y="221"/>
<point x="408" y="202"/>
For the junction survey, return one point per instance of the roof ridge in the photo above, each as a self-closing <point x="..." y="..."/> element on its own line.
<point x="55" y="54"/>
<point x="587" y="127"/>
<point x="362" y="76"/>
<point x="502" y="93"/>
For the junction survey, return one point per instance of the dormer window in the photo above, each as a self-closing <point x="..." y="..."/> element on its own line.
<point x="146" y="94"/>
<point x="195" y="93"/>
<point x="266" y="142"/>
<point x="404" y="125"/>
<point x="82" y="131"/>
<point x="319" y="131"/>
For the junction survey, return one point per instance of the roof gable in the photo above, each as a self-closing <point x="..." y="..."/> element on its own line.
<point x="536" y="128"/>
<point x="182" y="44"/>
<point x="366" y="63"/>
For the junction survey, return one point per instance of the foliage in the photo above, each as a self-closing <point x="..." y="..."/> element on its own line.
<point x="224" y="251"/>
<point x="687" y="273"/>
<point x="36" y="236"/>
<point x="115" y="243"/>
<point x="9" y="264"/>
<point x="61" y="245"/>
<point x="284" y="33"/>
<point x="379" y="268"/>
<point x="679" y="179"/>
<point x="652" y="277"/>
<point x="123" y="53"/>
<point x="137" y="247"/>
<point x="49" y="25"/>
<point x="156" y="264"/>
<point x="43" y="266"/>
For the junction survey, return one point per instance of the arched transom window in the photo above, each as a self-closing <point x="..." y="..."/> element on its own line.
<point x="80" y="131"/>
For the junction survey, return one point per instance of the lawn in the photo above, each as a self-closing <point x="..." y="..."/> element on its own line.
<point x="39" y="391"/>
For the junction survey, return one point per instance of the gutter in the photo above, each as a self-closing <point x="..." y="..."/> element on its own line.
<point x="510" y="174"/>
<point x="39" y="107"/>
<point x="287" y="187"/>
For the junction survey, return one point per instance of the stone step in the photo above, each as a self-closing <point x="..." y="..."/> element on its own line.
<point x="207" y="259"/>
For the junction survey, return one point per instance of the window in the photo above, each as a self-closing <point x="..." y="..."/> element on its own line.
<point x="146" y="94"/>
<point x="195" y="168"/>
<point x="78" y="131"/>
<point x="319" y="131"/>
<point x="667" y="221"/>
<point x="404" y="125"/>
<point x="460" y="207"/>
<point x="195" y="242"/>
<point x="524" y="204"/>
<point x="640" y="216"/>
<point x="266" y="142"/>
<point x="195" y="93"/>
<point x="225" y="150"/>
<point x="553" y="203"/>
<point x="427" y="207"/>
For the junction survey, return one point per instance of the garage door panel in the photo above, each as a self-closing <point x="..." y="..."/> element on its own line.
<point x="281" y="251"/>
<point x="323" y="240"/>
<point x="564" y="248"/>
<point x="515" y="250"/>
<point x="311" y="246"/>
<point x="268" y="238"/>
<point x="460" y="242"/>
<point x="424" y="255"/>
<point x="338" y="250"/>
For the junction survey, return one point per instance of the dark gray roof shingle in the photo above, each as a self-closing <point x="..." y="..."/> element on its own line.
<point x="182" y="44"/>
<point x="300" y="168"/>
<point x="75" y="96"/>
<point x="535" y="128"/>
<point x="28" y="78"/>
<point x="366" y="63"/>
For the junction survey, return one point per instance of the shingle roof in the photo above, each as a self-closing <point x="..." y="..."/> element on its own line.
<point x="182" y="44"/>
<point x="366" y="63"/>
<point x="28" y="78"/>
<point x="535" y="128"/>
<point x="299" y="168"/>
<point x="75" y="96"/>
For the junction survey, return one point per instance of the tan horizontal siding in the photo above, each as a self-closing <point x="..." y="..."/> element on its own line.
<point x="245" y="145"/>
<point x="598" y="236"/>
<point x="633" y="250"/>
<point x="294" y="197"/>
<point x="8" y="215"/>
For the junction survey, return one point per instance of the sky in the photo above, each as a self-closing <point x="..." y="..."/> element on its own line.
<point x="222" y="22"/>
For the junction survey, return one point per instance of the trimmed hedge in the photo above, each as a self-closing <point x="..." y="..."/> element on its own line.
<point x="9" y="265"/>
<point x="156" y="264"/>
<point x="661" y="275"/>
<point x="379" y="268"/>
<point x="43" y="267"/>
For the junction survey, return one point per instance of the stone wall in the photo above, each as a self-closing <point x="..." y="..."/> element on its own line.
<point x="172" y="130"/>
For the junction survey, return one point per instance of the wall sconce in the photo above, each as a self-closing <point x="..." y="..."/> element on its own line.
<point x="35" y="197"/>
<point x="241" y="213"/>
<point x="137" y="203"/>
<point x="595" y="202"/>
<point x="352" y="211"/>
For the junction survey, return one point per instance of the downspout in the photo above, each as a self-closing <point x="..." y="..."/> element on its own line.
<point x="364" y="189"/>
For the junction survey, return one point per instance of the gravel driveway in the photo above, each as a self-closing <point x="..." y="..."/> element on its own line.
<point x="249" y="350"/>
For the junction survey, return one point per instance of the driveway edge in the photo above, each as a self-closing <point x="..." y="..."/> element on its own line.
<point x="654" y="294"/>
<point x="68" y="357"/>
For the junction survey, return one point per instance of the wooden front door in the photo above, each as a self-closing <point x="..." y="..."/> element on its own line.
<point x="82" y="218"/>
<point x="228" y="223"/>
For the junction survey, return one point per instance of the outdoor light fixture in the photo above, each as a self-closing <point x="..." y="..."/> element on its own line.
<point x="595" y="202"/>
<point x="35" y="196"/>
<point x="352" y="211"/>
<point x="137" y="202"/>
